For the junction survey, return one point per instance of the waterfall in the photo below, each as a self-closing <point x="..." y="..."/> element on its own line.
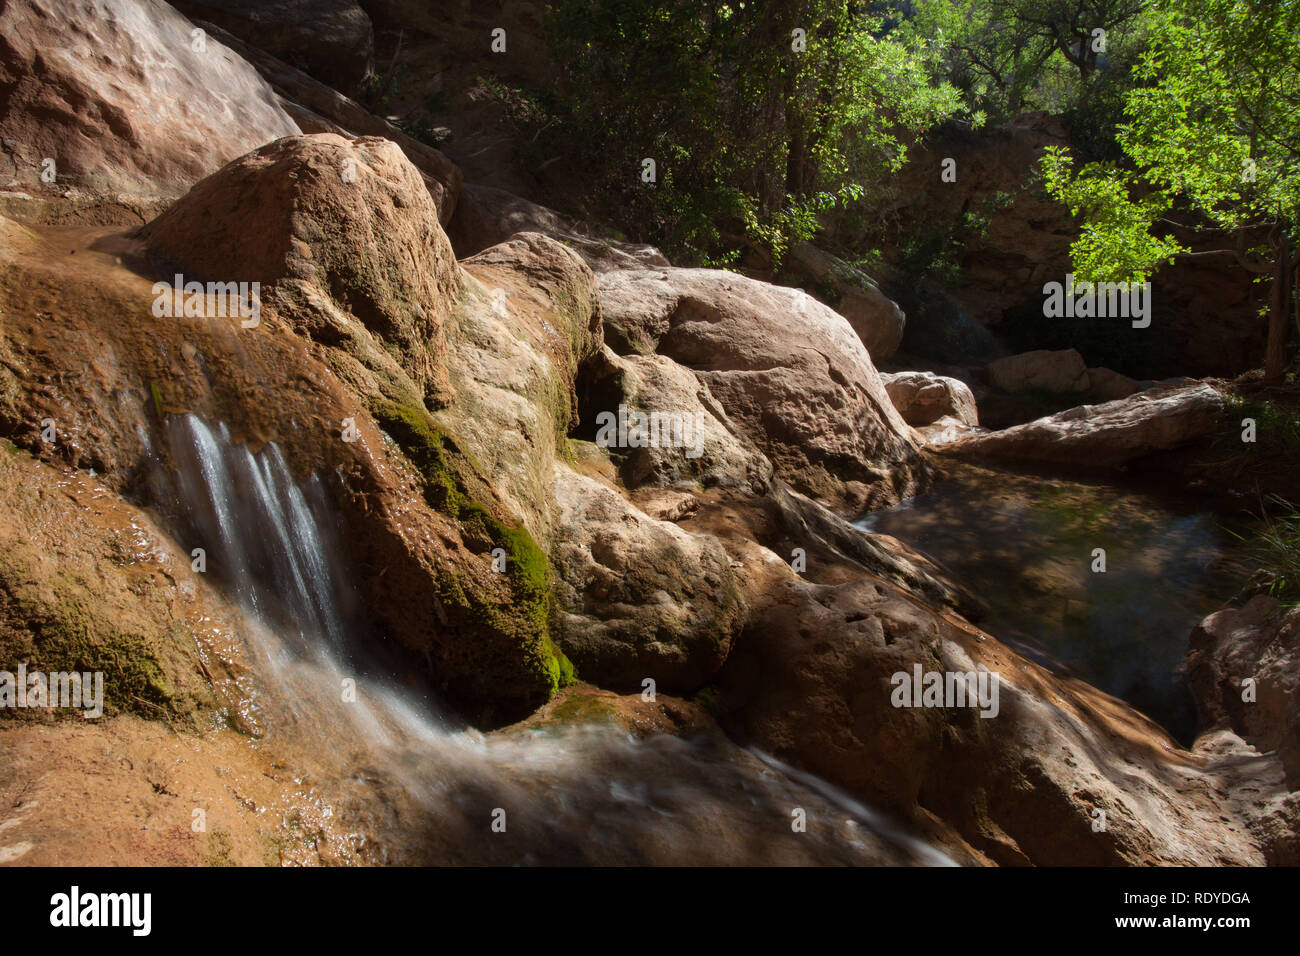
<point x="263" y="532"/>
<point x="422" y="789"/>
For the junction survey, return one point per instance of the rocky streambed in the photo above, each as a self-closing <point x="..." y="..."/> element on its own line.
<point x="1095" y="580"/>
<point x="367" y="584"/>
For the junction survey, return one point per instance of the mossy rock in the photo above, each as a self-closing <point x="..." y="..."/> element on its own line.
<point x="453" y="485"/>
<point x="64" y="626"/>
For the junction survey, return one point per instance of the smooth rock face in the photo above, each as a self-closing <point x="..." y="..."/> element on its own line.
<point x="1259" y="641"/>
<point x="718" y="453"/>
<point x="114" y="93"/>
<point x="789" y="370"/>
<point x="533" y="319"/>
<point x="642" y="598"/>
<point x="876" y="318"/>
<point x="323" y="217"/>
<point x="922" y="398"/>
<point x="1063" y="371"/>
<point x="332" y="40"/>
<point x="1104" y="435"/>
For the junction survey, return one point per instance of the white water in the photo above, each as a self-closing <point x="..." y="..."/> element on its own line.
<point x="418" y="787"/>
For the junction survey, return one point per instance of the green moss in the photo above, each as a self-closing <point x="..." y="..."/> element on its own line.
<point x="580" y="709"/>
<point x="568" y="675"/>
<point x="72" y="632"/>
<point x="452" y="484"/>
<point x="425" y="446"/>
<point x="156" y="393"/>
<point x="219" y="849"/>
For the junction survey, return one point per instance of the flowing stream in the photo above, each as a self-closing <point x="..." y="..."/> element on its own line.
<point x="1027" y="546"/>
<point x="413" y="784"/>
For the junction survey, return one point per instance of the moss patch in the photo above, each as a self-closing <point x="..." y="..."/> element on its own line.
<point x="67" y="628"/>
<point x="453" y="485"/>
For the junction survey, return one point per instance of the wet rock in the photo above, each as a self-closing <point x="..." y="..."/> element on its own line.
<point x="1106" y="435"/>
<point x="788" y="370"/>
<point x="416" y="513"/>
<point x="115" y="93"/>
<point x="922" y="398"/>
<point x="90" y="583"/>
<point x="1062" y="371"/>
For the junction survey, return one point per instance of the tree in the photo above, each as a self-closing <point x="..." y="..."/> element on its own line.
<point x="1214" y="143"/>
<point x="1070" y="26"/>
<point x="1005" y="54"/>
<point x="759" y="116"/>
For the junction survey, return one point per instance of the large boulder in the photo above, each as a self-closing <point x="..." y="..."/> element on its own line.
<point x="641" y="598"/>
<point x="333" y="40"/>
<point x="789" y="371"/>
<point x="117" y="95"/>
<point x="1244" y="666"/>
<point x="1017" y="779"/>
<point x="711" y="453"/>
<point x="1107" y="385"/>
<point x="1061" y="371"/>
<point x="922" y="398"/>
<point x="1106" y="435"/>
<point x="876" y="318"/>
<point x="330" y="375"/>
<point x="346" y="226"/>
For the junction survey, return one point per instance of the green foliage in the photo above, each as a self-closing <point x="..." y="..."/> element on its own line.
<point x="1222" y="84"/>
<point x="1008" y="56"/>
<point x="752" y="140"/>
<point x="1277" y="433"/>
<point x="378" y="91"/>
<point x="1116" y="243"/>
<point x="1277" y="548"/>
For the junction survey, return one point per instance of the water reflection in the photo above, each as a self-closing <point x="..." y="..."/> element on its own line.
<point x="1026" y="545"/>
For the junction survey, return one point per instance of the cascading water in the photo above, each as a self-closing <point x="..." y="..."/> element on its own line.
<point x="415" y="787"/>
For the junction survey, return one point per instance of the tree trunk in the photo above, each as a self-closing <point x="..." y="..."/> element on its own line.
<point x="1278" y="307"/>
